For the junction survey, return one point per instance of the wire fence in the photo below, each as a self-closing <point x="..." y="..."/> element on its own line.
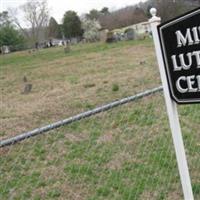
<point x="125" y="153"/>
<point x="78" y="117"/>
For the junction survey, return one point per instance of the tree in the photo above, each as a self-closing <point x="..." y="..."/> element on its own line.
<point x="105" y="11"/>
<point x="9" y="35"/>
<point x="35" y="15"/>
<point x="123" y="17"/>
<point x="91" y="30"/>
<point x="71" y="25"/>
<point x="93" y="14"/>
<point x="174" y="7"/>
<point x="4" y="18"/>
<point x="54" y="30"/>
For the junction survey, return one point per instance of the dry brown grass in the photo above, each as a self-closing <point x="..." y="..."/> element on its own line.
<point x="58" y="85"/>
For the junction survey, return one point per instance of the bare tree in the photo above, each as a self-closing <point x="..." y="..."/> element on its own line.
<point x="13" y="13"/>
<point x="36" y="16"/>
<point x="123" y="17"/>
<point x="170" y="8"/>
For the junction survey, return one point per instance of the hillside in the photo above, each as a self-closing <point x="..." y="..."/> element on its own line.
<point x="64" y="85"/>
<point x="125" y="153"/>
<point x="140" y="12"/>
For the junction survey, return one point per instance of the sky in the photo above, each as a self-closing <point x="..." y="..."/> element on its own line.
<point x="58" y="7"/>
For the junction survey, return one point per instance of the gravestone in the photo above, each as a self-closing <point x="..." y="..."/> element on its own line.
<point x="27" y="88"/>
<point x="67" y="49"/>
<point x="130" y="34"/>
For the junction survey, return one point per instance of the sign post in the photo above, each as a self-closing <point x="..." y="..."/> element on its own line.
<point x="172" y="112"/>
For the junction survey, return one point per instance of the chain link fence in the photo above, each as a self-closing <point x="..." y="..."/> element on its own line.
<point x="125" y="153"/>
<point x="122" y="153"/>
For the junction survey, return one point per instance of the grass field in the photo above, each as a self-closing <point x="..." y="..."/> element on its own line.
<point x="125" y="153"/>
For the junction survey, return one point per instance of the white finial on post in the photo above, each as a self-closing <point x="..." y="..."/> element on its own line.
<point x="153" y="12"/>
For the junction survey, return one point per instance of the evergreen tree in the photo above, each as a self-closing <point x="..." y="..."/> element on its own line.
<point x="105" y="11"/>
<point x="71" y="25"/>
<point x="93" y="14"/>
<point x="54" y="30"/>
<point x="9" y="35"/>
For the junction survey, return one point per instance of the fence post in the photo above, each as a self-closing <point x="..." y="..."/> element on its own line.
<point x="172" y="113"/>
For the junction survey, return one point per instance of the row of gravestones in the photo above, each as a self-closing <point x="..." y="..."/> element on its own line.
<point x="129" y="34"/>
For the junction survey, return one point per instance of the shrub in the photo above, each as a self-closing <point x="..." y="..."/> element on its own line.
<point x="115" y="87"/>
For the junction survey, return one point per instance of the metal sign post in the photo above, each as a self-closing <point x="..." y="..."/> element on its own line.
<point x="172" y="113"/>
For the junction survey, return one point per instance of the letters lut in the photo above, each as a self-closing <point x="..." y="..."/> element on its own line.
<point x="192" y="37"/>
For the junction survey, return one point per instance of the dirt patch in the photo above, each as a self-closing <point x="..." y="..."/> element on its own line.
<point x="149" y="195"/>
<point x="105" y="138"/>
<point x="175" y="195"/>
<point x="73" y="192"/>
<point x="118" y="160"/>
<point x="76" y="137"/>
<point x="66" y="190"/>
<point x="4" y="151"/>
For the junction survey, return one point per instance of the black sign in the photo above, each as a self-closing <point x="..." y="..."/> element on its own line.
<point x="180" y="43"/>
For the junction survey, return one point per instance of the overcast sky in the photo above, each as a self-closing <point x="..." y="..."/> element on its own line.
<point x="58" y="7"/>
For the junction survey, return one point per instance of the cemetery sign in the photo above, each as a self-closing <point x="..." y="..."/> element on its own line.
<point x="180" y="44"/>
